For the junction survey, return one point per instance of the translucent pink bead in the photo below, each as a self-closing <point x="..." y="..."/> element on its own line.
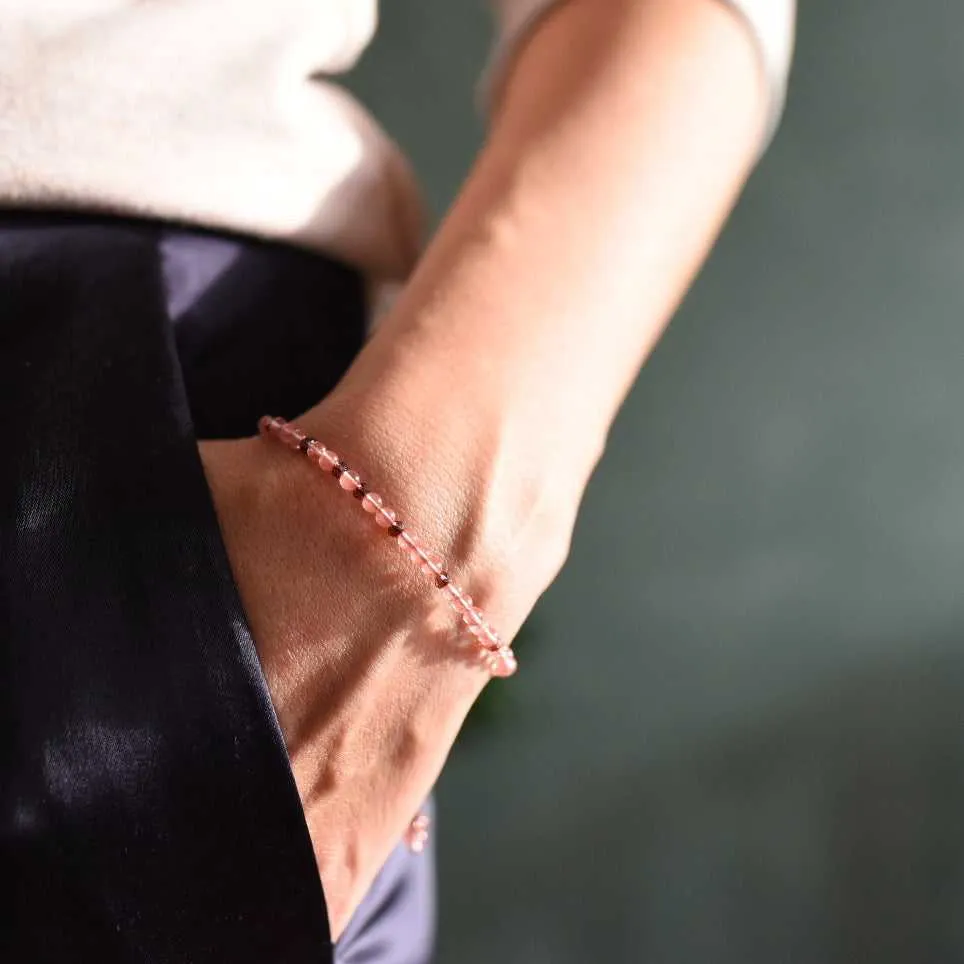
<point x="416" y="842"/>
<point x="316" y="452"/>
<point x="502" y="663"/>
<point x="432" y="563"/>
<point x="385" y="517"/>
<point x="472" y="616"/>
<point x="349" y="480"/>
<point x="491" y="639"/>
<point x="265" y="424"/>
<point x="452" y="592"/>
<point x="409" y="543"/>
<point x="372" y="501"/>
<point x="327" y="459"/>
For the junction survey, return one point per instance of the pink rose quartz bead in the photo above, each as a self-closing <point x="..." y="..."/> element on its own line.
<point x="452" y="593"/>
<point x="316" y="452"/>
<point x="372" y="502"/>
<point x="416" y="834"/>
<point x="472" y="615"/>
<point x="327" y="459"/>
<point x="409" y="543"/>
<point x="349" y="480"/>
<point x="481" y="634"/>
<point x="385" y="517"/>
<point x="503" y="663"/>
<point x="432" y="563"/>
<point x="416" y="837"/>
<point x="491" y="640"/>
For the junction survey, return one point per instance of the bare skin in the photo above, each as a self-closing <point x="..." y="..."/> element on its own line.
<point x="480" y="407"/>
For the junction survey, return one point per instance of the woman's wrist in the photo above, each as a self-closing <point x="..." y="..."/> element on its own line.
<point x="460" y="471"/>
<point x="469" y="502"/>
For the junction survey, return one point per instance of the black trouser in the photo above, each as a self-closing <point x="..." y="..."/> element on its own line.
<point x="148" y="808"/>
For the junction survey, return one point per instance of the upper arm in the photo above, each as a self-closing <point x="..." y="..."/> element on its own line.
<point x="769" y="22"/>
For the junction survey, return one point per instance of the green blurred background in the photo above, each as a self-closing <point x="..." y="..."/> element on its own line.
<point x="737" y="735"/>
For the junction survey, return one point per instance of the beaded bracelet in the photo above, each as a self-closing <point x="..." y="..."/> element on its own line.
<point x="496" y="655"/>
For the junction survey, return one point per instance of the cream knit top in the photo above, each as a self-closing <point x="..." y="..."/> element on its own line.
<point x="225" y="113"/>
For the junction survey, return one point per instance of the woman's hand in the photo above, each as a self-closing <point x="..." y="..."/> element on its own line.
<point x="368" y="674"/>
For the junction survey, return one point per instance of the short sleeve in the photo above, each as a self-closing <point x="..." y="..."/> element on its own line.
<point x="770" y="22"/>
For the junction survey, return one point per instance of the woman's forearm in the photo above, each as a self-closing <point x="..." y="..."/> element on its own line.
<point x="624" y="131"/>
